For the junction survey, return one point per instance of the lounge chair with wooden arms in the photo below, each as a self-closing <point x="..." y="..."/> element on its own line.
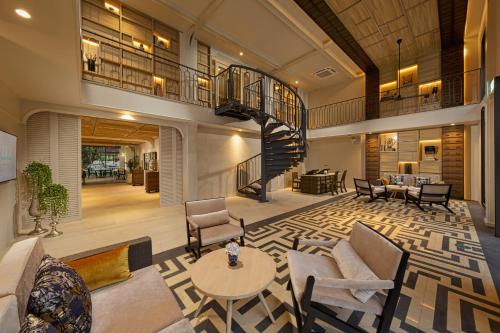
<point x="363" y="274"/>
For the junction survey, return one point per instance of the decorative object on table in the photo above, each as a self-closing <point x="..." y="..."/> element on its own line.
<point x="91" y="60"/>
<point x="39" y="177"/>
<point x="55" y="202"/>
<point x="233" y="251"/>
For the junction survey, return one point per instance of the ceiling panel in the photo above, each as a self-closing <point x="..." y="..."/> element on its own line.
<point x="258" y="31"/>
<point x="378" y="24"/>
<point x="98" y="128"/>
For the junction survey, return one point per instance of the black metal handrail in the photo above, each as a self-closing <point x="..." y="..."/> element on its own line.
<point x="462" y="88"/>
<point x="266" y="98"/>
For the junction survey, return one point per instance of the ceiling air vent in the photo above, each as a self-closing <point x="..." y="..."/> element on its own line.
<point x="324" y="73"/>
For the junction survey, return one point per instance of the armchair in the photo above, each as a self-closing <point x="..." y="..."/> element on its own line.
<point x="319" y="284"/>
<point x="430" y="193"/>
<point x="209" y="222"/>
<point x="363" y="187"/>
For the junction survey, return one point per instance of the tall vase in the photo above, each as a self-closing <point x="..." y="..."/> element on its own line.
<point x="53" y="229"/>
<point x="35" y="212"/>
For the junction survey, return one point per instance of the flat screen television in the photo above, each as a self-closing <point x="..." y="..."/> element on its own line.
<point x="7" y="156"/>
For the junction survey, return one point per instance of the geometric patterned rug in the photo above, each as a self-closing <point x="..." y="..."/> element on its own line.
<point x="447" y="286"/>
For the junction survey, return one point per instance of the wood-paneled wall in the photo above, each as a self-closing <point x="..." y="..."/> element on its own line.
<point x="372" y="157"/>
<point x="453" y="159"/>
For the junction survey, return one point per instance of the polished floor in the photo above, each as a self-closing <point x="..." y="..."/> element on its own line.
<point x="119" y="212"/>
<point x="448" y="286"/>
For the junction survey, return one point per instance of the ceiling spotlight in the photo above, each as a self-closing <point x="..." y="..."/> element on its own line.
<point x="241" y="53"/>
<point x="23" y="13"/>
<point x="127" y="117"/>
<point x="452" y="124"/>
<point x="296" y="82"/>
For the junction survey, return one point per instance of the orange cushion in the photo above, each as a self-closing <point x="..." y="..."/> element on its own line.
<point x="103" y="269"/>
<point x="385" y="181"/>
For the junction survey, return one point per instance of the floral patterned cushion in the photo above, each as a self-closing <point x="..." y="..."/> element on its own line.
<point x="33" y="324"/>
<point x="419" y="181"/>
<point x="60" y="297"/>
<point x="396" y="180"/>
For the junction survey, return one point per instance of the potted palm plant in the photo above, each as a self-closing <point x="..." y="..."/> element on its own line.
<point x="39" y="176"/>
<point x="55" y="203"/>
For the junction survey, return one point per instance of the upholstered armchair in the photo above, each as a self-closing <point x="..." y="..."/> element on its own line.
<point x="363" y="187"/>
<point x="209" y="222"/>
<point x="438" y="194"/>
<point x="363" y="274"/>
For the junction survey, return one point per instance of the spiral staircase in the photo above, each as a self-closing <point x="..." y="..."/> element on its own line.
<point x="248" y="94"/>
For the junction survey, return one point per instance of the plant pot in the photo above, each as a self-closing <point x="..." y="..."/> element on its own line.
<point x="35" y="212"/>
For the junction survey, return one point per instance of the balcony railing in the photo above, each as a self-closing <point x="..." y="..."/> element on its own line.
<point x="445" y="92"/>
<point x="117" y="64"/>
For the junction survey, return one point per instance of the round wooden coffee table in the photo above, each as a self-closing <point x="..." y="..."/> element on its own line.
<point x="395" y="189"/>
<point x="213" y="277"/>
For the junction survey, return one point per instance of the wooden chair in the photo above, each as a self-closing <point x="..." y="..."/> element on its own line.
<point x="335" y="285"/>
<point x="334" y="183"/>
<point x="209" y="222"/>
<point x="438" y="194"/>
<point x="295" y="181"/>
<point x="341" y="182"/>
<point x="363" y="187"/>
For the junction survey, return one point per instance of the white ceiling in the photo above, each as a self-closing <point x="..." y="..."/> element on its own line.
<point x="39" y="57"/>
<point x="274" y="35"/>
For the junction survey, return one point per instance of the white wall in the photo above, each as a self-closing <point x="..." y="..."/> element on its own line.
<point x="219" y="151"/>
<point x="148" y="147"/>
<point x="10" y="122"/>
<point x="337" y="153"/>
<point x="338" y="93"/>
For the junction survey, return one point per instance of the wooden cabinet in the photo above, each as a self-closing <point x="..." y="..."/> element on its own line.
<point x="137" y="177"/>
<point x="152" y="181"/>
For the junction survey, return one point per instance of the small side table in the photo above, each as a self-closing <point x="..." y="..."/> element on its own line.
<point x="395" y="189"/>
<point x="213" y="277"/>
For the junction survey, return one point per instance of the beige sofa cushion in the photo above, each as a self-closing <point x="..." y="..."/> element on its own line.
<point x="205" y="206"/>
<point x="9" y="318"/>
<point x="301" y="265"/>
<point x="210" y="219"/>
<point x="143" y="303"/>
<point x="182" y="326"/>
<point x="377" y="252"/>
<point x="18" y="268"/>
<point x="220" y="233"/>
<point x="353" y="268"/>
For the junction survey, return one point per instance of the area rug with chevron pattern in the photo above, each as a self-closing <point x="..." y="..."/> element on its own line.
<point x="447" y="287"/>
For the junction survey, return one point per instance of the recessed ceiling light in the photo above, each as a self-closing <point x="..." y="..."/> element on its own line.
<point x="23" y="13"/>
<point x="127" y="117"/>
<point x="452" y="124"/>
<point x="296" y="82"/>
<point x="241" y="54"/>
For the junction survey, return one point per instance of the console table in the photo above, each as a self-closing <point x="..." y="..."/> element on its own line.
<point x="315" y="184"/>
<point x="152" y="181"/>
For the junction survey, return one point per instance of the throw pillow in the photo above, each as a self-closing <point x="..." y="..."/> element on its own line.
<point x="353" y="267"/>
<point x="60" y="297"/>
<point x="396" y="180"/>
<point x="33" y="324"/>
<point x="385" y="181"/>
<point x="211" y="219"/>
<point x="103" y="269"/>
<point x="419" y="181"/>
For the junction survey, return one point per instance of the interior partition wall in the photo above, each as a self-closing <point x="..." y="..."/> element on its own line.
<point x="55" y="139"/>
<point x="171" y="166"/>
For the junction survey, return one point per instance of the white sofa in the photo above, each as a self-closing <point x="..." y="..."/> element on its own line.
<point x="143" y="303"/>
